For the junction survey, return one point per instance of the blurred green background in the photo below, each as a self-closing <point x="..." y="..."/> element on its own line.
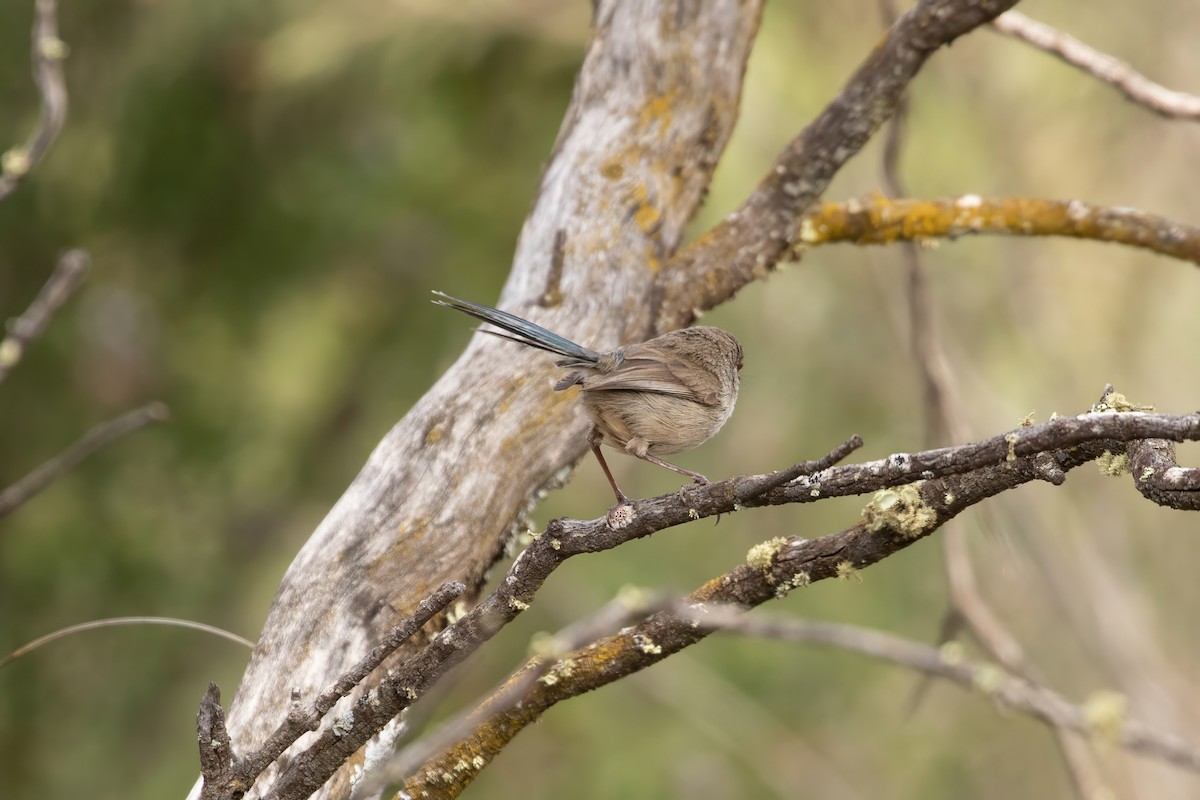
<point x="270" y="190"/>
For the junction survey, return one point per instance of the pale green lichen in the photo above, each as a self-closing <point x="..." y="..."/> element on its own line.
<point x="562" y="669"/>
<point x="848" y="572"/>
<point x="987" y="679"/>
<point x="1012" y="440"/>
<point x="1113" y="464"/>
<point x="517" y="604"/>
<point x="952" y="653"/>
<point x="1146" y="473"/>
<point x="647" y="645"/>
<point x="815" y="493"/>
<point x="634" y="598"/>
<point x="1027" y="420"/>
<point x="53" y="49"/>
<point x="1105" y="713"/>
<point x="478" y="762"/>
<point x="1116" y="403"/>
<point x="546" y="645"/>
<point x="556" y="544"/>
<point x="761" y="555"/>
<point x="693" y="514"/>
<point x="457" y="612"/>
<point x="797" y="581"/>
<point x="15" y="162"/>
<point x="902" y="510"/>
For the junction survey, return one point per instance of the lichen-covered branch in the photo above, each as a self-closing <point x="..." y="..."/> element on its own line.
<point x="947" y="481"/>
<point x="1116" y="73"/>
<point x="881" y="220"/>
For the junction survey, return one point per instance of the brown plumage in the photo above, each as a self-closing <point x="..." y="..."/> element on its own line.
<point x="650" y="399"/>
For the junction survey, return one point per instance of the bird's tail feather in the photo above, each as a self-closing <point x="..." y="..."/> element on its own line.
<point x="523" y="331"/>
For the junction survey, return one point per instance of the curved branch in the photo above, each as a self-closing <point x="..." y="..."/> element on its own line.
<point x="48" y="53"/>
<point x="1116" y="73"/>
<point x="879" y="220"/>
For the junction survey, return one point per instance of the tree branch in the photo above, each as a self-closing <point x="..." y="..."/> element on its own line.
<point x="893" y="520"/>
<point x="1116" y="73"/>
<point x="97" y="438"/>
<point x="48" y="53"/>
<point x="752" y="239"/>
<point x="987" y="680"/>
<point x="68" y="274"/>
<point x="227" y="777"/>
<point x="879" y="220"/>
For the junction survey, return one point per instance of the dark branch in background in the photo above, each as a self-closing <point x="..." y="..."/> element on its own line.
<point x="752" y="239"/>
<point x="98" y="437"/>
<point x="1101" y="717"/>
<point x="894" y="519"/>
<point x="48" y="53"/>
<point x="1112" y="71"/>
<point x="227" y="776"/>
<point x="68" y="274"/>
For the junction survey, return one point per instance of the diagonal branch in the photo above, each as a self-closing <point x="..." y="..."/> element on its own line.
<point x="752" y="239"/>
<point x="68" y="274"/>
<point x="1116" y="73"/>
<point x="989" y="681"/>
<point x="97" y="438"/>
<point x="48" y="53"/>
<point x="879" y="220"/>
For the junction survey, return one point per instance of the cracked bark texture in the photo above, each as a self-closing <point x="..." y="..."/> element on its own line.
<point x="653" y="107"/>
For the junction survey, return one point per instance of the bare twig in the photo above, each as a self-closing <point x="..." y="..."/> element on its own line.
<point x="25" y="649"/>
<point x="231" y="777"/>
<point x="988" y="680"/>
<point x="97" y="438"/>
<point x="878" y="220"/>
<point x="1116" y="73"/>
<point x="48" y="53"/>
<point x="68" y="274"/>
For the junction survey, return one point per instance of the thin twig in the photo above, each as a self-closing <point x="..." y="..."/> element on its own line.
<point x="48" y="52"/>
<point x="25" y="649"/>
<point x="1113" y="71"/>
<point x="988" y="680"/>
<point x="98" y="437"/>
<point x="68" y="274"/>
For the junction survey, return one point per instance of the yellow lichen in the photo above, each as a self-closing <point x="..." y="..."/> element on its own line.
<point x="1105" y="712"/>
<point x="1113" y="464"/>
<point x="761" y="555"/>
<point x="902" y="510"/>
<point x="848" y="572"/>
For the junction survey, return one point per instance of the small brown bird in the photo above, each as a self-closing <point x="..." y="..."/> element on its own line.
<point x="654" y="398"/>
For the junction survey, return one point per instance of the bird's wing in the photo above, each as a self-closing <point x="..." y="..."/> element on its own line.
<point x="652" y="374"/>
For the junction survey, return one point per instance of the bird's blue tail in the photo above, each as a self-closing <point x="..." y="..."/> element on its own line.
<point x="523" y="331"/>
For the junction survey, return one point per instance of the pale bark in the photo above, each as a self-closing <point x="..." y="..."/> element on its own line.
<point x="653" y="107"/>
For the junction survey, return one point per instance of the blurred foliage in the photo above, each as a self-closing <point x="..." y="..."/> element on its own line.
<point x="269" y="191"/>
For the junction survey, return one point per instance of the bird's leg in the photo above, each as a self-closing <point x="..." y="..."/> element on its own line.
<point x="695" y="476"/>
<point x="594" y="438"/>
